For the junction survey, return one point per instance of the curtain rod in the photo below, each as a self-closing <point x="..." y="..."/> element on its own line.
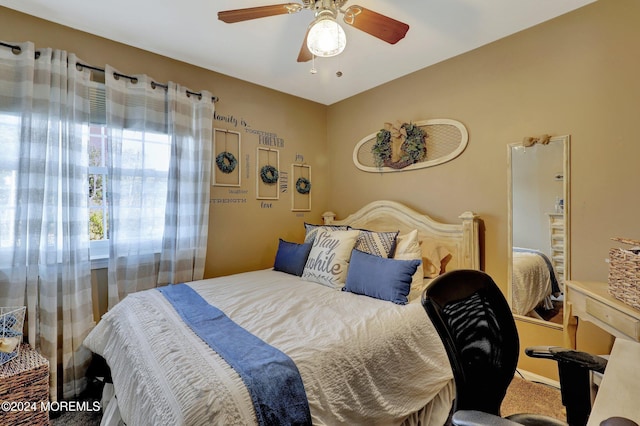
<point x="17" y="50"/>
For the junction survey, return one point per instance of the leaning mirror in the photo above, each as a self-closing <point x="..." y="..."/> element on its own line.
<point x="538" y="180"/>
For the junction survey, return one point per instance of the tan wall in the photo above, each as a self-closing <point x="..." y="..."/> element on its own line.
<point x="242" y="236"/>
<point x="577" y="75"/>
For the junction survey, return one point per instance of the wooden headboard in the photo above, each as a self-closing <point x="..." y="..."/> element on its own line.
<point x="461" y="239"/>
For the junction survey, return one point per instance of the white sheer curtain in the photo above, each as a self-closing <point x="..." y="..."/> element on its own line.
<point x="44" y="241"/>
<point x="184" y="245"/>
<point x="159" y="172"/>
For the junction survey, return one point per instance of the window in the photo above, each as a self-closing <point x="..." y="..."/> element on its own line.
<point x="143" y="175"/>
<point x="98" y="203"/>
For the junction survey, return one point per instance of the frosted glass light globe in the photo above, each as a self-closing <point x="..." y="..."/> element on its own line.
<point x="326" y="38"/>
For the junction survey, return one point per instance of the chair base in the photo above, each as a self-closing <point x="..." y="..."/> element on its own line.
<point x="535" y="420"/>
<point x="479" y="418"/>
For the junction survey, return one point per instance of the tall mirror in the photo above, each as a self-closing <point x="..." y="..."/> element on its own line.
<point x="538" y="180"/>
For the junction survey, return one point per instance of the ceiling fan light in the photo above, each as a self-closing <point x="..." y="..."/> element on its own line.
<point x="326" y="38"/>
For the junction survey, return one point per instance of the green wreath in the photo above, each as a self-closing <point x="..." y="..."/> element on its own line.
<point x="226" y="162"/>
<point x="269" y="174"/>
<point x="303" y="186"/>
<point x="414" y="148"/>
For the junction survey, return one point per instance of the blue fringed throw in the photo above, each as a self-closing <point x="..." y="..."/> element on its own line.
<point x="272" y="378"/>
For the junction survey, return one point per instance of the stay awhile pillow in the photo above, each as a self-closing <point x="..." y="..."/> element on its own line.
<point x="312" y="230"/>
<point x="379" y="277"/>
<point x="291" y="257"/>
<point x="328" y="260"/>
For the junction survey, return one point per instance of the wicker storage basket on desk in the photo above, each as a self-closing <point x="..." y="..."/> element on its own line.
<point x="24" y="389"/>
<point x="624" y="273"/>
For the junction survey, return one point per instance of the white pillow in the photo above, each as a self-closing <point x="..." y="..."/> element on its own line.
<point x="311" y="230"/>
<point x="408" y="248"/>
<point x="328" y="260"/>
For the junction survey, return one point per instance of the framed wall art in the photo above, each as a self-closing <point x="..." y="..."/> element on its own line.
<point x="301" y="188"/>
<point x="267" y="174"/>
<point x="225" y="167"/>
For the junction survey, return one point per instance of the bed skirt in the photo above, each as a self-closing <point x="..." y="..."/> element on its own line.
<point x="435" y="413"/>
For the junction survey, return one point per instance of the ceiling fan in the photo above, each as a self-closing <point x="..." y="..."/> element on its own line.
<point x="324" y="35"/>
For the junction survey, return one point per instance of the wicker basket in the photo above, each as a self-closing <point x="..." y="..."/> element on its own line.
<point x="624" y="273"/>
<point x="11" y="322"/>
<point x="24" y="385"/>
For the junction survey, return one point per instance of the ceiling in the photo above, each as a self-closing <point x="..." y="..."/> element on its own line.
<point x="264" y="51"/>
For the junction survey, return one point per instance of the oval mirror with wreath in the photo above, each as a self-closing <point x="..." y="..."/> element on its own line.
<point x="410" y="146"/>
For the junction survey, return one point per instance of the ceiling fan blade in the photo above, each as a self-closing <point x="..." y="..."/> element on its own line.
<point x="239" y="15"/>
<point x="380" y="26"/>
<point x="305" y="54"/>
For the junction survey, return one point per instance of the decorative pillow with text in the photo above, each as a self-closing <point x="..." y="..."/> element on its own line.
<point x="310" y="230"/>
<point x="328" y="260"/>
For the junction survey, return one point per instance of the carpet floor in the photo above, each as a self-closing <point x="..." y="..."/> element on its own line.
<point x="528" y="397"/>
<point x="77" y="418"/>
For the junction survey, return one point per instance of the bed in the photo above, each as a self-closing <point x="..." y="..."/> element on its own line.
<point x="534" y="282"/>
<point x="362" y="360"/>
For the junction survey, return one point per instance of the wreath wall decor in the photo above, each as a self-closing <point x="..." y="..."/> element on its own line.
<point x="399" y="145"/>
<point x="269" y="174"/>
<point x="301" y="197"/>
<point x="303" y="185"/>
<point x="226" y="162"/>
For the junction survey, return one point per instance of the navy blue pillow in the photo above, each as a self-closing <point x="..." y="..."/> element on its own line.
<point x="379" y="277"/>
<point x="291" y="257"/>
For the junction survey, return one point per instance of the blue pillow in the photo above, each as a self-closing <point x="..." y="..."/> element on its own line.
<point x="379" y="277"/>
<point x="291" y="257"/>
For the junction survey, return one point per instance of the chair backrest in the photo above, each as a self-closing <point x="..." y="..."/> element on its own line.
<point x="479" y="334"/>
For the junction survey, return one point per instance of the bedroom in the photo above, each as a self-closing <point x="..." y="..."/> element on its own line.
<point x="576" y="75"/>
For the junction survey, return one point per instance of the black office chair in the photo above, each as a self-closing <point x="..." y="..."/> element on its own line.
<point x="480" y="337"/>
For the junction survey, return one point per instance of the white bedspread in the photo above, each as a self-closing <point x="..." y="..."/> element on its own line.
<point x="531" y="283"/>
<point x="362" y="360"/>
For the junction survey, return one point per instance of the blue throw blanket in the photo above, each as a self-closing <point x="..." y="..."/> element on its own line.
<point x="272" y="378"/>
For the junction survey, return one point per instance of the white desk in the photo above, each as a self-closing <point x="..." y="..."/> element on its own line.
<point x="591" y="301"/>
<point x="619" y="392"/>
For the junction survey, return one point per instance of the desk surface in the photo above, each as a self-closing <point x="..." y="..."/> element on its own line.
<point x="619" y="392"/>
<point x="592" y="302"/>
